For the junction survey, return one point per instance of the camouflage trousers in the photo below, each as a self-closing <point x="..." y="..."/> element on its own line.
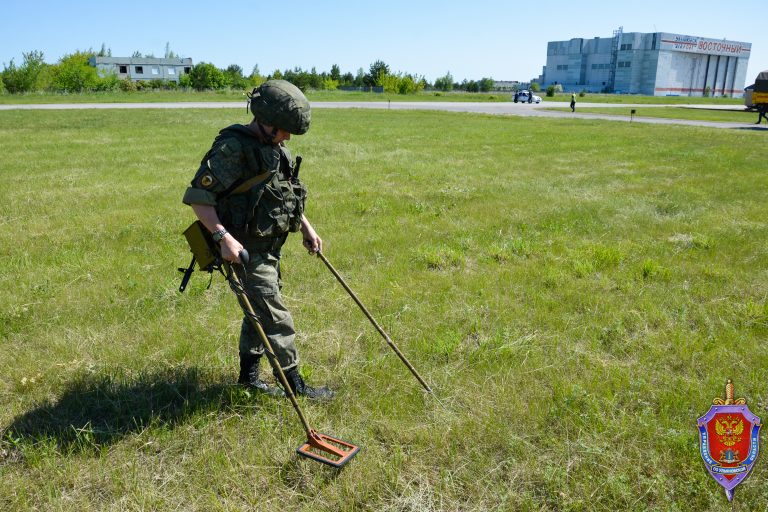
<point x="263" y="285"/>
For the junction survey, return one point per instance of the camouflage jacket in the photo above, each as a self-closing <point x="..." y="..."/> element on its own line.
<point x="251" y="184"/>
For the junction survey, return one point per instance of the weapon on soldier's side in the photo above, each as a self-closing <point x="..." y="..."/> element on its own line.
<point x="320" y="447"/>
<point x="296" y="168"/>
<point x="375" y="324"/>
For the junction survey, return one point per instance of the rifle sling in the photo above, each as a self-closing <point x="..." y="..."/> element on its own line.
<point x="249" y="184"/>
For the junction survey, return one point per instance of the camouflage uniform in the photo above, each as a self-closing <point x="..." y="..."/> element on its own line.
<point x="260" y="218"/>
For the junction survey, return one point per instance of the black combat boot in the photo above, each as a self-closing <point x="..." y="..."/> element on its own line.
<point x="300" y="388"/>
<point x="249" y="376"/>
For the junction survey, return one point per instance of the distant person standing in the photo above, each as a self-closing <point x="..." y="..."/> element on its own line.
<point x="762" y="113"/>
<point x="530" y="96"/>
<point x="573" y="102"/>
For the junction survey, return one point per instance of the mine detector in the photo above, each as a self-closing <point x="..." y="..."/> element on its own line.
<point x="756" y="95"/>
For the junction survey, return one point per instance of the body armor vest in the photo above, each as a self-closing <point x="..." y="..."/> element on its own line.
<point x="270" y="208"/>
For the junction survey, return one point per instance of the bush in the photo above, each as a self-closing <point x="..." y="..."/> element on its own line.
<point x="329" y="84"/>
<point x="550" y="91"/>
<point x="207" y="76"/>
<point x="185" y="81"/>
<point x="444" y="83"/>
<point x="2" y="85"/>
<point x="157" y="83"/>
<point x="127" y="85"/>
<point x="108" y="82"/>
<point x="74" y="74"/>
<point x="582" y="93"/>
<point x="535" y="86"/>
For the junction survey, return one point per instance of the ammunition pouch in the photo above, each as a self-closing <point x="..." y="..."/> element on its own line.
<point x="278" y="208"/>
<point x="204" y="251"/>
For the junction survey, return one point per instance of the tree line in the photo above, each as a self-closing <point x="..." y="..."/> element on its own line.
<point x="73" y="73"/>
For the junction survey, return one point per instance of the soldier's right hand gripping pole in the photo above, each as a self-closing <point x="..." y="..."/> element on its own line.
<point x="373" y="321"/>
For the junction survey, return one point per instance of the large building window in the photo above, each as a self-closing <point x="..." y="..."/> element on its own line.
<point x="625" y="64"/>
<point x="626" y="46"/>
<point x="139" y="70"/>
<point x="123" y="70"/>
<point x="155" y="70"/>
<point x="171" y="71"/>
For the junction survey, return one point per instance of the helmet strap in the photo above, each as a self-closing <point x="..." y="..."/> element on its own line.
<point x="267" y="136"/>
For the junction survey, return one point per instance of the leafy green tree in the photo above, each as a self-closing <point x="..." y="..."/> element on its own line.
<point x="376" y="72"/>
<point x="316" y="79"/>
<point x="470" y="86"/>
<point x="25" y="77"/>
<point x="401" y="83"/>
<point x="486" y="84"/>
<point x="255" y="79"/>
<point x="445" y="82"/>
<point x="359" y="80"/>
<point x="335" y="73"/>
<point x="73" y="73"/>
<point x="235" y="78"/>
<point x="347" y="79"/>
<point x="205" y="76"/>
<point x="535" y="87"/>
<point x="329" y="84"/>
<point x="2" y="85"/>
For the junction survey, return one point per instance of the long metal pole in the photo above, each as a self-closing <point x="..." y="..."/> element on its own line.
<point x="373" y="321"/>
<point x="271" y="357"/>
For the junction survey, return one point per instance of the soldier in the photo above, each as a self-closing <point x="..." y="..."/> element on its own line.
<point x="248" y="195"/>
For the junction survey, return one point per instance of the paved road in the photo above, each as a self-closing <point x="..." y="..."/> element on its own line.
<point x="512" y="109"/>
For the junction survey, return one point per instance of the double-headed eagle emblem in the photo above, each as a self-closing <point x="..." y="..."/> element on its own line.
<point x="729" y="430"/>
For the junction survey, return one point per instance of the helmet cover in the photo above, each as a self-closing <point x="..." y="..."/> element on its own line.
<point x="280" y="104"/>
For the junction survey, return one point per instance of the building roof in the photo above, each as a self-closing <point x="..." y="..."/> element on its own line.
<point x="142" y="61"/>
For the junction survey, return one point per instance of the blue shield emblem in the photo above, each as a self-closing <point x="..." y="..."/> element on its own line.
<point x="729" y="440"/>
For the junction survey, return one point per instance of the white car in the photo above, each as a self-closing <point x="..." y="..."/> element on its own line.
<point x="522" y="97"/>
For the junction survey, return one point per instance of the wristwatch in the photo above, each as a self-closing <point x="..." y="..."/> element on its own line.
<point x="218" y="235"/>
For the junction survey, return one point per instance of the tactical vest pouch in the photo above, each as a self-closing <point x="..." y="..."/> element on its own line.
<point x="201" y="244"/>
<point x="300" y="193"/>
<point x="279" y="209"/>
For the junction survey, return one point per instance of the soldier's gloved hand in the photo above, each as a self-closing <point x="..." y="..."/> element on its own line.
<point x="230" y="249"/>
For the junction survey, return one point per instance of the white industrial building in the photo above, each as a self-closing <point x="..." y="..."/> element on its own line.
<point x="655" y="64"/>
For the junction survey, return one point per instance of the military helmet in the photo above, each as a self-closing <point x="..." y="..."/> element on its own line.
<point x="281" y="104"/>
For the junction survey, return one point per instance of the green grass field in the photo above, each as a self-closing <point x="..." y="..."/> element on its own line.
<point x="576" y="292"/>
<point x="235" y="95"/>
<point x="151" y="96"/>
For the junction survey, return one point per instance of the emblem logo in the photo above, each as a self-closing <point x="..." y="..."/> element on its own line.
<point x="206" y="180"/>
<point x="729" y="437"/>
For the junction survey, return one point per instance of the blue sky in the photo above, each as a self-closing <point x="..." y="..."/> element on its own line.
<point x="501" y="39"/>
